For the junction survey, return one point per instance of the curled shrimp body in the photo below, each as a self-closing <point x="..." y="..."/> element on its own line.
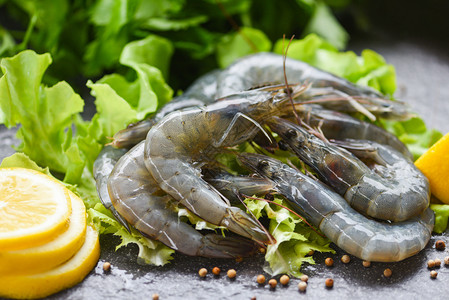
<point x="177" y="146"/>
<point x="399" y="193"/>
<point x="338" y="126"/>
<point x="356" y="234"/>
<point x="137" y="197"/>
<point x="103" y="166"/>
<point x="201" y="92"/>
<point x="263" y="68"/>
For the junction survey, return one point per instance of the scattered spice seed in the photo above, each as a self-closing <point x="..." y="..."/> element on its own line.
<point x="329" y="262"/>
<point x="260" y="279"/>
<point x="273" y="283"/>
<point x="329" y="282"/>
<point x="202" y="272"/>
<point x="284" y="280"/>
<point x="239" y="259"/>
<point x="304" y="278"/>
<point x="311" y="252"/>
<point x="253" y="298"/>
<point x="232" y="273"/>
<point x="345" y="259"/>
<point x="437" y="262"/>
<point x="387" y="272"/>
<point x="107" y="266"/>
<point x="440" y="245"/>
<point x="431" y="264"/>
<point x="155" y="296"/>
<point x="262" y="250"/>
<point x="433" y="274"/>
<point x="446" y="260"/>
<point x="216" y="271"/>
<point x="302" y="286"/>
<point x="366" y="264"/>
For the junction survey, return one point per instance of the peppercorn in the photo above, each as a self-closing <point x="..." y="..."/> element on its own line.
<point x="302" y="286"/>
<point x="345" y="259"/>
<point x="216" y="271"/>
<point x="437" y="262"/>
<point x="232" y="273"/>
<point x="260" y="279"/>
<point x="366" y="264"/>
<point x="446" y="260"/>
<point x="273" y="283"/>
<point x="431" y="264"/>
<point x="387" y="272"/>
<point x="433" y="274"/>
<point x="440" y="245"/>
<point x="304" y="278"/>
<point x="107" y="266"/>
<point x="284" y="279"/>
<point x="329" y="262"/>
<point x="329" y="282"/>
<point x="202" y="272"/>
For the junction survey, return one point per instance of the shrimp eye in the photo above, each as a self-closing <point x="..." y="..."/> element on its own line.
<point x="291" y="133"/>
<point x="262" y="165"/>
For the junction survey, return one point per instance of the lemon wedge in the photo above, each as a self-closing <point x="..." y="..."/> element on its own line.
<point x="434" y="163"/>
<point x="45" y="257"/>
<point x="34" y="208"/>
<point x="40" y="285"/>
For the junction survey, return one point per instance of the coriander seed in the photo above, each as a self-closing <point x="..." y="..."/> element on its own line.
<point x="273" y="283"/>
<point x="107" y="266"/>
<point x="232" y="273"/>
<point x="202" y="272"/>
<point x="366" y="264"/>
<point x="329" y="262"/>
<point x="388" y="272"/>
<point x="345" y="259"/>
<point x="304" y="278"/>
<point x="440" y="245"/>
<point x="431" y="264"/>
<point x="329" y="282"/>
<point x="437" y="262"/>
<point x="433" y="274"/>
<point x="302" y="286"/>
<point x="260" y="279"/>
<point x="284" y="280"/>
<point x="216" y="271"/>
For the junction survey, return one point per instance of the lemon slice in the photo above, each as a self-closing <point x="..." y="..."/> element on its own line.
<point x="434" y="163"/>
<point x="64" y="276"/>
<point x="47" y="256"/>
<point x="34" y="208"/>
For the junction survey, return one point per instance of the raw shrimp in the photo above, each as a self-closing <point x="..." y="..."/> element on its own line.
<point x="397" y="195"/>
<point x="354" y="233"/>
<point x="180" y="143"/>
<point x="201" y="92"/>
<point x="103" y="166"/>
<point x="338" y="126"/>
<point x="137" y="197"/>
<point x="263" y="68"/>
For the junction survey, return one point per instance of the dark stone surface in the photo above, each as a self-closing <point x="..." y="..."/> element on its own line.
<point x="422" y="67"/>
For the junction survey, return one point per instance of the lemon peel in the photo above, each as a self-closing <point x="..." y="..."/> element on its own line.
<point x="434" y="164"/>
<point x="70" y="273"/>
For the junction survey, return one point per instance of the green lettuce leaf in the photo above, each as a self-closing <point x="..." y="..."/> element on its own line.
<point x="441" y="217"/>
<point x="294" y="238"/>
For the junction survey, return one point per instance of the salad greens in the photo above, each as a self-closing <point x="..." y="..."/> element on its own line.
<point x="148" y="49"/>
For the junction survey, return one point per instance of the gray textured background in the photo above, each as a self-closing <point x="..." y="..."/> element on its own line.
<point x="422" y="65"/>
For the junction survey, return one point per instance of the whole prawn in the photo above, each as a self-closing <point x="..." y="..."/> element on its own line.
<point x="356" y="234"/>
<point x="327" y="89"/>
<point x="398" y="194"/>
<point x="180" y="143"/>
<point x="138" y="199"/>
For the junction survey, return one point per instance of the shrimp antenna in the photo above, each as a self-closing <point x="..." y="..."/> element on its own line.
<point x="284" y="59"/>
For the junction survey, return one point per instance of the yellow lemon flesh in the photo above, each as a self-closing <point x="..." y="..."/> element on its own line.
<point x="434" y="164"/>
<point x="47" y="256"/>
<point x="34" y="208"/>
<point x="40" y="285"/>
